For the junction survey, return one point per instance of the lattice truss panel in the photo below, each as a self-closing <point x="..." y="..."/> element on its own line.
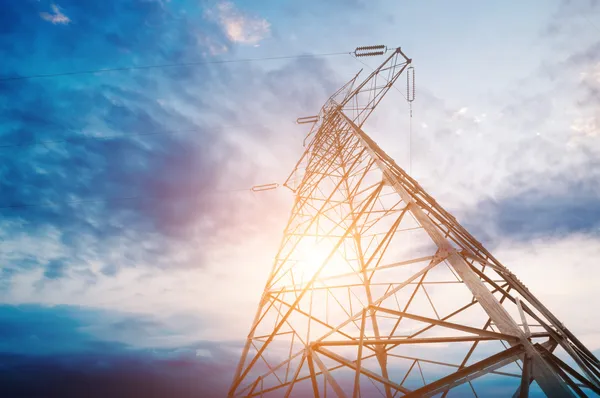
<point x="377" y="291"/>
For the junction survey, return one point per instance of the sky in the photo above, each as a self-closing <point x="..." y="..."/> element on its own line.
<point x="132" y="252"/>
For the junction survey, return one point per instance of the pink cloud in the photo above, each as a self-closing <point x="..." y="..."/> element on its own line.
<point x="57" y="17"/>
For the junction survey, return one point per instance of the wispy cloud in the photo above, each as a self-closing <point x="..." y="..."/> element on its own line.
<point x="587" y="126"/>
<point x="56" y="17"/>
<point x="591" y="76"/>
<point x="459" y="113"/>
<point x="239" y="27"/>
<point x="112" y="245"/>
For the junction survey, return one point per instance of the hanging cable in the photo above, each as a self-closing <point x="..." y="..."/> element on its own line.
<point x="255" y="188"/>
<point x="159" y="66"/>
<point x="410" y="139"/>
<point x="410" y="97"/>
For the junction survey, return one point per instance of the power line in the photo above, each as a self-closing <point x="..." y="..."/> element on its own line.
<point x="158" y="66"/>
<point x="254" y="189"/>
<point x="591" y="23"/>
<point x="75" y="139"/>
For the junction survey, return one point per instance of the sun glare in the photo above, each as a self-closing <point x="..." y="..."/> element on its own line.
<point x="313" y="253"/>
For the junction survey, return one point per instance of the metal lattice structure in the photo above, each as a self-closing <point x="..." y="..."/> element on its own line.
<point x="377" y="290"/>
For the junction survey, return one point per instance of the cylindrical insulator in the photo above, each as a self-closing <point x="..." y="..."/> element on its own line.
<point x="369" y="54"/>
<point x="264" y="187"/>
<point x="410" y="80"/>
<point x="368" y="48"/>
<point x="307" y="119"/>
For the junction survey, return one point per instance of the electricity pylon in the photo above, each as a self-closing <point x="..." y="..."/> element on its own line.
<point x="377" y="290"/>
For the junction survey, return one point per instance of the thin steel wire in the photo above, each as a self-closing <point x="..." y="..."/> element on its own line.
<point x="76" y="139"/>
<point x="132" y="198"/>
<point x="160" y="66"/>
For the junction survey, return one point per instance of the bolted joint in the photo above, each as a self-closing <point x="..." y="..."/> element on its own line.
<point x="443" y="253"/>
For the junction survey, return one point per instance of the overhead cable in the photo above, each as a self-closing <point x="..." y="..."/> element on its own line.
<point x="255" y="188"/>
<point x="159" y="66"/>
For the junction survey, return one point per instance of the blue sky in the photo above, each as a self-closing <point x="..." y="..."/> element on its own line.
<point x="162" y="287"/>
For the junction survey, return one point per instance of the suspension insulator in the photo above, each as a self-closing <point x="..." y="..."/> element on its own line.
<point x="369" y="54"/>
<point x="410" y="84"/>
<point x="378" y="47"/>
<point x="367" y="51"/>
<point x="307" y="119"/>
<point x="264" y="187"/>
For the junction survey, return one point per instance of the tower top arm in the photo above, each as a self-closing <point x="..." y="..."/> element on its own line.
<point x="356" y="101"/>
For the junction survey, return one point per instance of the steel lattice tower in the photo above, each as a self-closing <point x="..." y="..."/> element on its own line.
<point x="377" y="290"/>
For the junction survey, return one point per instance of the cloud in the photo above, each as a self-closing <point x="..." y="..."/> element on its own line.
<point x="56" y="17"/>
<point x="557" y="206"/>
<point x="214" y="45"/>
<point x="241" y="28"/>
<point x="118" y="375"/>
<point x="55" y="269"/>
<point x="186" y="234"/>
<point x="588" y="126"/>
<point x="560" y="274"/>
<point x="86" y="350"/>
<point x="183" y="231"/>
<point x="460" y="113"/>
<point x="592" y="76"/>
<point x="570" y="13"/>
<point x="538" y="129"/>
